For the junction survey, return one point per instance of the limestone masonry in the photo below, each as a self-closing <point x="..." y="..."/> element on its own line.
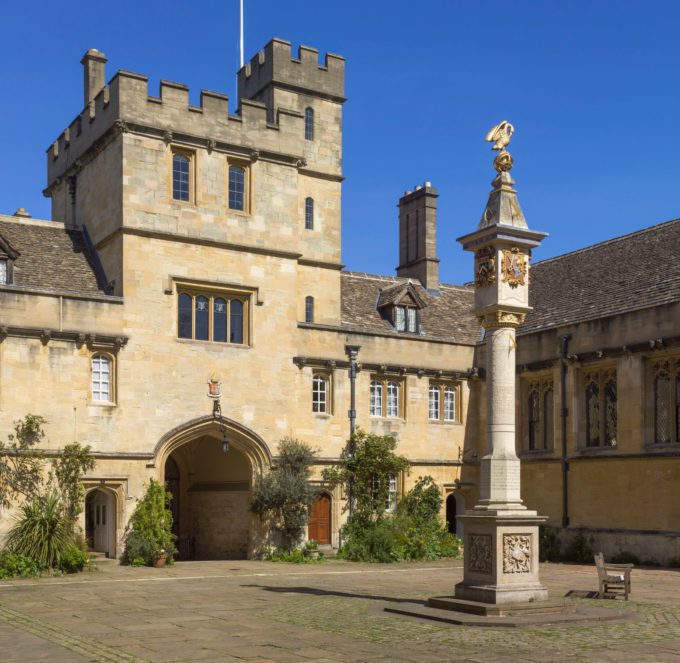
<point x="186" y="241"/>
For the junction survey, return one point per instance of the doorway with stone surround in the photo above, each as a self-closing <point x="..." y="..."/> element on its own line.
<point x="319" y="528"/>
<point x="100" y="521"/>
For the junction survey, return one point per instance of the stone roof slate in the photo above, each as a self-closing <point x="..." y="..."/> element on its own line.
<point x="446" y="316"/>
<point x="51" y="257"/>
<point x="627" y="273"/>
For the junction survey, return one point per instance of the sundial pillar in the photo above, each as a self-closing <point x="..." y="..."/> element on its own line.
<point x="501" y="534"/>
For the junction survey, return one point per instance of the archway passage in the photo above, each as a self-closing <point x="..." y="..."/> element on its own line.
<point x="320" y="520"/>
<point x="211" y="499"/>
<point x="100" y="521"/>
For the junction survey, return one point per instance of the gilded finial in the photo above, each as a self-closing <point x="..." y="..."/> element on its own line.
<point x="500" y="136"/>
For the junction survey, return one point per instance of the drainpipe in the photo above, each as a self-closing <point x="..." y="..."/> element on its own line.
<point x="352" y="352"/>
<point x="564" y="412"/>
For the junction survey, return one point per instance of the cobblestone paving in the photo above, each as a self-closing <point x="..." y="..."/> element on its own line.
<point x="327" y="613"/>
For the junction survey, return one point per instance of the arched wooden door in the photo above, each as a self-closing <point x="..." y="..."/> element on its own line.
<point x="320" y="520"/>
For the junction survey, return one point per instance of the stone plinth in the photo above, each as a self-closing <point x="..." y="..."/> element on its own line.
<point x="501" y="558"/>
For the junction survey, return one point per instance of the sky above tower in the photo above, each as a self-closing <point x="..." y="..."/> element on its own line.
<point x="591" y="89"/>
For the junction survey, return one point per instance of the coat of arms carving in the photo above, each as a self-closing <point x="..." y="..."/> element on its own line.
<point x="516" y="553"/>
<point x="514" y="267"/>
<point x="485" y="267"/>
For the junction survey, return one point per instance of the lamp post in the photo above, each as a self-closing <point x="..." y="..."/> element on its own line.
<point x="352" y="352"/>
<point x="215" y="393"/>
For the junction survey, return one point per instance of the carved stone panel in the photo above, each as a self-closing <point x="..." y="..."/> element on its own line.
<point x="479" y="553"/>
<point x="516" y="553"/>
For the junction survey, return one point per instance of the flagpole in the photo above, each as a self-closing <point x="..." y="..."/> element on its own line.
<point x="241" y="39"/>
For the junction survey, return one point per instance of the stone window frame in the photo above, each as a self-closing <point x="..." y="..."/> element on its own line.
<point x="539" y="384"/>
<point x="309" y="309"/>
<point x="327" y="378"/>
<point x="309" y="213"/>
<point x="441" y="388"/>
<point x="668" y="365"/>
<point x="112" y="382"/>
<point x="246" y="166"/>
<point x="211" y="294"/>
<point x="309" y="123"/>
<point x="385" y="381"/>
<point x="187" y="153"/>
<point x="591" y="377"/>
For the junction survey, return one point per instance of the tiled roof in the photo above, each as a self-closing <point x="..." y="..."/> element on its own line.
<point x="446" y="316"/>
<point x="631" y="272"/>
<point x="50" y="257"/>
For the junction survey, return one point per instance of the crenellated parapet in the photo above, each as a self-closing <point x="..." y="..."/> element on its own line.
<point x="125" y="105"/>
<point x="275" y="66"/>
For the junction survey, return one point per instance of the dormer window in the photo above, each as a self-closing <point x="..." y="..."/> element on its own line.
<point x="405" y="319"/>
<point x="4" y="271"/>
<point x="400" y="305"/>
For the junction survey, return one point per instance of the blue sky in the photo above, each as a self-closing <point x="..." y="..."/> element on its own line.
<point x="592" y="89"/>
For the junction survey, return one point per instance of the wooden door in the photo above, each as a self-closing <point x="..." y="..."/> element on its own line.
<point x="320" y="520"/>
<point x="100" y="520"/>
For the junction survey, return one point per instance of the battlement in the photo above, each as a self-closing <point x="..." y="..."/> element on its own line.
<point x="275" y="66"/>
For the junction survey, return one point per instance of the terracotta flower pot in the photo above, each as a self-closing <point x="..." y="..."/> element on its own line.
<point x="159" y="560"/>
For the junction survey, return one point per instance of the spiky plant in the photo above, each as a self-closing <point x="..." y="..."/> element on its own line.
<point x="41" y="532"/>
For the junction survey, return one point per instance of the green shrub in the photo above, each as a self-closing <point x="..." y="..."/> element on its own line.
<point x="73" y="559"/>
<point x="580" y="550"/>
<point x="149" y="531"/>
<point x="285" y="494"/>
<point x="18" y="566"/>
<point x="296" y="556"/>
<point x="624" y="557"/>
<point x="372" y="542"/>
<point x="41" y="531"/>
<point x="548" y="544"/>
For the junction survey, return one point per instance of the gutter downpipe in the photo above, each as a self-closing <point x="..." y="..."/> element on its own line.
<point x="352" y="352"/>
<point x="564" y="413"/>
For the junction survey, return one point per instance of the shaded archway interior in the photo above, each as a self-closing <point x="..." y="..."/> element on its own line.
<point x="211" y="499"/>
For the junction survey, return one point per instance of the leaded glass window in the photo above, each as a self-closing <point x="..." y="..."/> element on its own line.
<point x="309" y="123"/>
<point x="237" y="188"/>
<point x="601" y="408"/>
<point x="392" y="399"/>
<point x="309" y="309"/>
<point x="101" y="378"/>
<point x="666" y="405"/>
<point x="433" y="402"/>
<point x="376" y="407"/>
<point x="411" y="319"/>
<point x="399" y="318"/>
<point x="201" y="318"/>
<point x="181" y="168"/>
<point x="220" y="320"/>
<point x="449" y="404"/>
<point x="320" y="394"/>
<point x="210" y="317"/>
<point x="3" y="271"/>
<point x="309" y="213"/>
<point x="534" y="418"/>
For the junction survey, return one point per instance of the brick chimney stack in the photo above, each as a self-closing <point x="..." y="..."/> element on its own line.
<point x="94" y="69"/>
<point x="418" y="236"/>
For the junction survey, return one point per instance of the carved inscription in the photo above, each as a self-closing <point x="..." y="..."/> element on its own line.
<point x="516" y="553"/>
<point x="479" y="558"/>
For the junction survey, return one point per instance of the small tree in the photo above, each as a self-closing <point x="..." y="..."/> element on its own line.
<point x="67" y="473"/>
<point x="367" y="463"/>
<point x="285" y="494"/>
<point x="149" y="531"/>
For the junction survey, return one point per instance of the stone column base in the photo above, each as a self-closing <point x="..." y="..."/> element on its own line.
<point x="501" y="558"/>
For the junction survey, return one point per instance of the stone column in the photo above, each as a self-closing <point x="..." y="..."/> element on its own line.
<point x="501" y="534"/>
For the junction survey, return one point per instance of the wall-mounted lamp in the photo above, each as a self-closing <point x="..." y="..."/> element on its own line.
<point x="215" y="393"/>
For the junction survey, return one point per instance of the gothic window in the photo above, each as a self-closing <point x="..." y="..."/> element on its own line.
<point x="181" y="176"/>
<point x="309" y="309"/>
<point x="237" y="188"/>
<point x="666" y="405"/>
<point x="320" y="394"/>
<point x="102" y="383"/>
<point x="538" y="414"/>
<point x="600" y="404"/>
<point x="309" y="123"/>
<point x="309" y="214"/>
<point x="211" y="317"/>
<point x="386" y="397"/>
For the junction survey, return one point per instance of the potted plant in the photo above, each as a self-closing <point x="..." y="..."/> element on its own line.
<point x="311" y="549"/>
<point x="159" y="558"/>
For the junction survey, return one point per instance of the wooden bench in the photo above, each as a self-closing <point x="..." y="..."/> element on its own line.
<point x="614" y="578"/>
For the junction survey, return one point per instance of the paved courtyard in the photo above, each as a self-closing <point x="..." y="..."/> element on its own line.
<point x="329" y="612"/>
